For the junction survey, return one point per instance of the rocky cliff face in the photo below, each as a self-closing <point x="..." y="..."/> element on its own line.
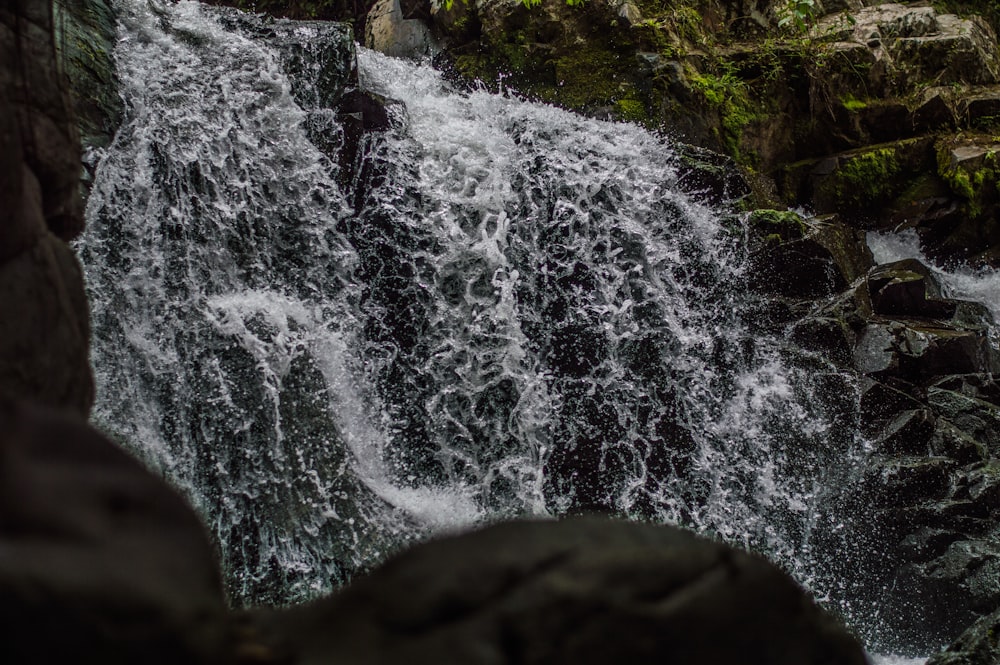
<point x="102" y="562"/>
<point x="923" y="542"/>
<point x="84" y="39"/>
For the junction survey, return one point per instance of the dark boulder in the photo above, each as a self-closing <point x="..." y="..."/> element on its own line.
<point x="917" y="352"/>
<point x="709" y="175"/>
<point x="44" y="327"/>
<point x="102" y="562"/>
<point x="804" y="258"/>
<point x="38" y="125"/>
<point x="579" y="591"/>
<point x="953" y="590"/>
<point x="907" y="288"/>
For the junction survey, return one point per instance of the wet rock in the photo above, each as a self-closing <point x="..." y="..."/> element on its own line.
<point x="102" y="562"/>
<point x="982" y="483"/>
<point x="881" y="401"/>
<point x="709" y="175"/>
<point x="981" y="109"/>
<point x="858" y="184"/>
<point x="360" y="113"/>
<point x="41" y="113"/>
<point x="979" y="419"/>
<point x="805" y="258"/>
<point x="969" y="165"/>
<point x="917" y="44"/>
<point x="916" y="352"/>
<point x="319" y="58"/>
<point x="830" y="336"/>
<point x="934" y="112"/>
<point x="908" y="288"/>
<point x="901" y="481"/>
<point x="978" y="386"/>
<point x="909" y="433"/>
<point x="978" y="645"/>
<point x="387" y="31"/>
<point x="578" y="591"/>
<point x="953" y="590"/>
<point x="927" y="543"/>
<point x="961" y="50"/>
<point x="86" y="35"/>
<point x="952" y="441"/>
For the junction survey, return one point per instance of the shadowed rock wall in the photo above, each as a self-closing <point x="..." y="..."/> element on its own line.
<point x="44" y="329"/>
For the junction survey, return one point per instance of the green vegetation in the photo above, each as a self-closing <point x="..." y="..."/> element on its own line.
<point x="631" y="110"/>
<point x="730" y="94"/>
<point x="867" y="179"/>
<point x="798" y="16"/>
<point x="531" y="3"/>
<point x="852" y="104"/>
<point x="978" y="186"/>
<point x="777" y="226"/>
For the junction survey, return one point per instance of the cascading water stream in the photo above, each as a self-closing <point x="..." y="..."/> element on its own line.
<point x="510" y="311"/>
<point x="982" y="286"/>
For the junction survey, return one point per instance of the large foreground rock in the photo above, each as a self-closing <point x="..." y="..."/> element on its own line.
<point x="100" y="561"/>
<point x="44" y="327"/>
<point x="579" y="591"/>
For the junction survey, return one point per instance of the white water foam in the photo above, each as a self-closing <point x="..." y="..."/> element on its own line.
<point x="961" y="282"/>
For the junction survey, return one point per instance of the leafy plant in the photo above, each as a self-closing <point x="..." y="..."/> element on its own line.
<point x="534" y="3"/>
<point x="797" y="15"/>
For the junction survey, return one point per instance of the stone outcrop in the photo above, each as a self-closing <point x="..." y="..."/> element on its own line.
<point x="44" y="328"/>
<point x="922" y="539"/>
<point x="389" y="32"/>
<point x="85" y="38"/>
<point x="579" y="591"/>
<point x="976" y="646"/>
<point x="102" y="561"/>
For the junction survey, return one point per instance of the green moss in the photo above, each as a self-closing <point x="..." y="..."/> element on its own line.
<point x="688" y="23"/>
<point x="852" y="104"/>
<point x="867" y="179"/>
<point x="777" y="226"/>
<point x="728" y="93"/>
<point x="977" y="187"/>
<point x="631" y="110"/>
<point x="924" y="186"/>
<point x="715" y="89"/>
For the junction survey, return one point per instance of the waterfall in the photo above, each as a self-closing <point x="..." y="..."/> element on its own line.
<point x="510" y="310"/>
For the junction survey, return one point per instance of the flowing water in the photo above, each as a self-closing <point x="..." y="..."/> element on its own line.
<point x="960" y="282"/>
<point x="510" y="310"/>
